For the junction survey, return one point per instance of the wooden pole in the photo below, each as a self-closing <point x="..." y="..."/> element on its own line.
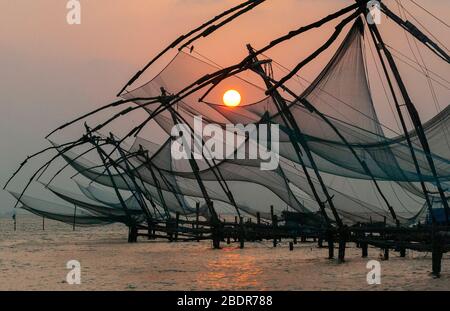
<point x="291" y="246"/>
<point x="365" y="249"/>
<point x="436" y="254"/>
<point x="151" y="235"/>
<point x="197" y="219"/>
<point x="216" y="229"/>
<point x="132" y="233"/>
<point x="135" y="233"/>
<point x="273" y="218"/>
<point x="344" y="235"/>
<point x="386" y="253"/>
<point x="177" y="220"/>
<point x="74" y="217"/>
<point x="320" y="242"/>
<point x="43" y="223"/>
<point x="342" y="246"/>
<point x="330" y="245"/>
<point x="169" y="228"/>
<point x="258" y="218"/>
<point x="241" y="232"/>
<point x="274" y="226"/>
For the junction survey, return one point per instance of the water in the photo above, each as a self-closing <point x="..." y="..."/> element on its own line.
<point x="33" y="259"/>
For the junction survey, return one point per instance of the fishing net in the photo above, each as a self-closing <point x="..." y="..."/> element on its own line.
<point x="342" y="132"/>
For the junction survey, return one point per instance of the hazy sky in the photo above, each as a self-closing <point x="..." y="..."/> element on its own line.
<point x="51" y="72"/>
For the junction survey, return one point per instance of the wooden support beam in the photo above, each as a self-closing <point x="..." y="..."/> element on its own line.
<point x="74" y="218"/>
<point x="343" y="237"/>
<point x="197" y="219"/>
<point x="437" y="251"/>
<point x="177" y="219"/>
<point x="274" y="228"/>
<point x="365" y="249"/>
<point x="241" y="232"/>
<point x="437" y="262"/>
<point x="330" y="245"/>
<point x="132" y="234"/>
<point x="169" y="231"/>
<point x="342" y="246"/>
<point x="150" y="229"/>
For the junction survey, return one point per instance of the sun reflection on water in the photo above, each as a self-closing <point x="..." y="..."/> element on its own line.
<point x="232" y="269"/>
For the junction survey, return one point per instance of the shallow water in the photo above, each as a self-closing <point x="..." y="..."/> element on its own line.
<point x="33" y="259"/>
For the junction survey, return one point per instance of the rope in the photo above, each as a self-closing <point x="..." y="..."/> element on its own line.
<point x="424" y="69"/>
<point x="430" y="13"/>
<point x="426" y="29"/>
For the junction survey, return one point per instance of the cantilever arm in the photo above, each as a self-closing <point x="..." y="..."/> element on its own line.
<point x="243" y="7"/>
<point x="417" y="33"/>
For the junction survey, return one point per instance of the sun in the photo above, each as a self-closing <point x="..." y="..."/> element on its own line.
<point x="231" y="98"/>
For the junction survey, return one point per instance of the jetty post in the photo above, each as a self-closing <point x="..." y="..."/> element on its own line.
<point x="241" y="232"/>
<point x="330" y="239"/>
<point x="197" y="219"/>
<point x="274" y="227"/>
<point x="437" y="252"/>
<point x="343" y="236"/>
<point x="365" y="249"/>
<point x="177" y="221"/>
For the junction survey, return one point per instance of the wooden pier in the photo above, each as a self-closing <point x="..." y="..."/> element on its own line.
<point x="422" y="238"/>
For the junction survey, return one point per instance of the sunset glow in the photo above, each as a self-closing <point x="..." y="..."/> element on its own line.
<point x="231" y="98"/>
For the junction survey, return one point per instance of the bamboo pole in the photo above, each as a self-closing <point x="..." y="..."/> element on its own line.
<point x="74" y="217"/>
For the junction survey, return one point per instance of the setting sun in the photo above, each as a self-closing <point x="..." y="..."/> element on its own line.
<point x="232" y="98"/>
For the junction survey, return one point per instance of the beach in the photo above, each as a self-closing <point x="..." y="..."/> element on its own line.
<point x="35" y="259"/>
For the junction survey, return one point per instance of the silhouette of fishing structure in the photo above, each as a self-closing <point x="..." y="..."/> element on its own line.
<point x="331" y="128"/>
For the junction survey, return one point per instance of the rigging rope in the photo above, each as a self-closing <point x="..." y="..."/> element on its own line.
<point x="430" y="13"/>
<point x="424" y="69"/>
